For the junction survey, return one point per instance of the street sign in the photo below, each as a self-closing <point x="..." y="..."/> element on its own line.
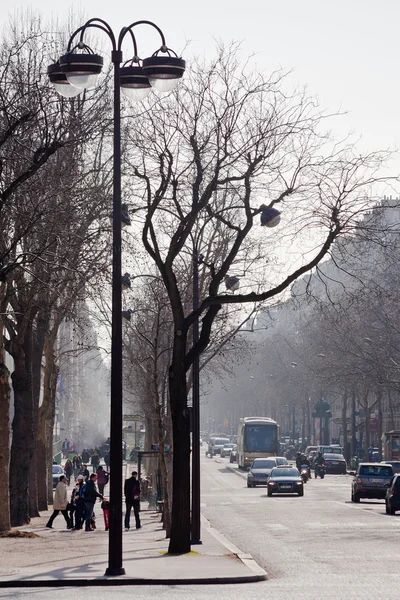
<point x="132" y="418"/>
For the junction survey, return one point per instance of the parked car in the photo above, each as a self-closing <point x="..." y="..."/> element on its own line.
<point x="285" y="480"/>
<point x="281" y="461"/>
<point x="57" y="472"/>
<point x="395" y="464"/>
<point x="371" y="481"/>
<point x="335" y="463"/>
<point x="260" y="471"/>
<point x="392" y="499"/>
<point x="233" y="455"/>
<point x="226" y="450"/>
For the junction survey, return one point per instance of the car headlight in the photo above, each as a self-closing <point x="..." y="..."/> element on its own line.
<point x="271" y="483"/>
<point x="299" y="483"/>
<point x="250" y="474"/>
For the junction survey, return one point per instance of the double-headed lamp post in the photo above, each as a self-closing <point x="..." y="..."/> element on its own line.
<point x="75" y="71"/>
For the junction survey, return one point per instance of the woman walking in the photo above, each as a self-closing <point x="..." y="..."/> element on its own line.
<point x="68" y="470"/>
<point x="102" y="479"/>
<point x="76" y="466"/>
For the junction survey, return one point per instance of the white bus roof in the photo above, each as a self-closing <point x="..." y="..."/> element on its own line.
<point x="257" y="419"/>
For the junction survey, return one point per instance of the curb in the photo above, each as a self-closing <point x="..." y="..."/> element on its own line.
<point x="120" y="582"/>
<point x="246" y="559"/>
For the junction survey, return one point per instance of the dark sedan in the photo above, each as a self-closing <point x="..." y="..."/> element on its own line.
<point x="285" y="480"/>
<point x="371" y="481"/>
<point x="335" y="463"/>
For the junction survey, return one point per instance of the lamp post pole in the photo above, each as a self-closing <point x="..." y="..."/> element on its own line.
<point x="115" y="534"/>
<point x="195" y="531"/>
<point x="71" y="74"/>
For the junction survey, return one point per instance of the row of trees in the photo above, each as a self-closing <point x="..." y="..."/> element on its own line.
<point x="337" y="338"/>
<point x="200" y="167"/>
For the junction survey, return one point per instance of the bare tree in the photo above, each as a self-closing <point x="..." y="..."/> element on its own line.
<point x="233" y="134"/>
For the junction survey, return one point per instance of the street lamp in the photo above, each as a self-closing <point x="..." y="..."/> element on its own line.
<point x="75" y="71"/>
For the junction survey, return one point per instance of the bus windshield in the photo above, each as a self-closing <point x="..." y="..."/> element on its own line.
<point x="260" y="438"/>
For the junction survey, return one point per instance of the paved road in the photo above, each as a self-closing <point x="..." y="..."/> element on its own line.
<point x="317" y="547"/>
<point x="321" y="542"/>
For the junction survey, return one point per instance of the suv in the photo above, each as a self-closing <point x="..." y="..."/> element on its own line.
<point x="392" y="499"/>
<point x="217" y="445"/>
<point x="371" y="481"/>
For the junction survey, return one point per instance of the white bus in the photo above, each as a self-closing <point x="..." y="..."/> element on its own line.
<point x="258" y="437"/>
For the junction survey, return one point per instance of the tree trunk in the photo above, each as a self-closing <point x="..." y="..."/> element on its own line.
<point x="46" y="424"/>
<point x="36" y="361"/>
<point x="344" y="421"/>
<point x="180" y="515"/>
<point x="380" y="426"/>
<point x="366" y="429"/>
<point x="353" y="424"/>
<point x="4" y="443"/>
<point x="22" y="439"/>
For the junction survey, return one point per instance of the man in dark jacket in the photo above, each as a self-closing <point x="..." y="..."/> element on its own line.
<point x="132" y="499"/>
<point x="91" y="494"/>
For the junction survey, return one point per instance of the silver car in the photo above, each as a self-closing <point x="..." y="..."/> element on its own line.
<point x="259" y="471"/>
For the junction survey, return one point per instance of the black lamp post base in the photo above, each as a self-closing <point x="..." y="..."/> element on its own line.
<point x="114" y="571"/>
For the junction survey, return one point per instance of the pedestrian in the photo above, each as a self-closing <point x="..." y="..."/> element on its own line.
<point x="85" y="472"/>
<point x="102" y="478"/>
<point x="60" y="503"/>
<point x="68" y="470"/>
<point x="90" y="495"/>
<point x="95" y="461"/>
<point x="107" y="460"/>
<point x="76" y="466"/>
<point x="65" y="448"/>
<point x="79" y="502"/>
<point x="85" y="456"/>
<point x="132" y="500"/>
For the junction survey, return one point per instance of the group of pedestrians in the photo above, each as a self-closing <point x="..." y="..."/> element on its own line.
<point x="79" y="510"/>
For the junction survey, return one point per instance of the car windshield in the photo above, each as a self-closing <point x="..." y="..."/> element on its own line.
<point x="284" y="472"/>
<point x="221" y="441"/>
<point x="229" y="446"/>
<point x="57" y="469"/>
<point x="260" y="438"/>
<point x="381" y="471"/>
<point x="263" y="464"/>
<point x="282" y="461"/>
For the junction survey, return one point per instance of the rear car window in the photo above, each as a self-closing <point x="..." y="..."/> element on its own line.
<point x="378" y="470"/>
<point x="263" y="464"/>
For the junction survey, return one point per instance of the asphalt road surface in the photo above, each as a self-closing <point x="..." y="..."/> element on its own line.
<point x="320" y="546"/>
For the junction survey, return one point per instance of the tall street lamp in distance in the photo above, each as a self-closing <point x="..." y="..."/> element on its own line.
<point x="75" y="71"/>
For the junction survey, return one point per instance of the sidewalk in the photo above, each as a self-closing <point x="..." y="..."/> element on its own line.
<point x="61" y="557"/>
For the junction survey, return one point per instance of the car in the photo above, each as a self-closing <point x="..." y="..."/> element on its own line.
<point x="310" y="449"/>
<point x="57" y="472"/>
<point x="395" y="464"/>
<point x="281" y="461"/>
<point x="335" y="463"/>
<point x="285" y="480"/>
<point x="226" y="450"/>
<point x="260" y="471"/>
<point x="371" y="481"/>
<point x="392" y="498"/>
<point x="216" y="445"/>
<point x="233" y="455"/>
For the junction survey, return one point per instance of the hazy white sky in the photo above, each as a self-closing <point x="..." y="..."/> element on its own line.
<point x="346" y="51"/>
